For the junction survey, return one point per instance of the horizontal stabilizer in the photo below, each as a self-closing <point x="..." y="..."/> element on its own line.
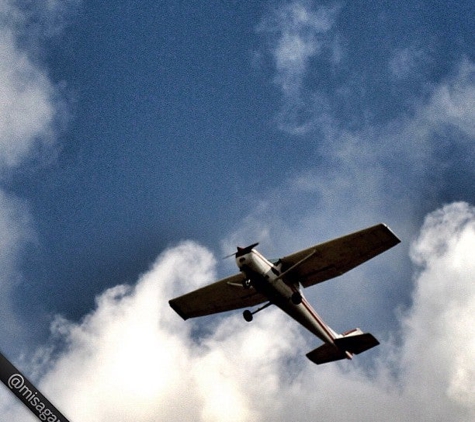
<point x="352" y="343"/>
<point x="356" y="344"/>
<point x="326" y="353"/>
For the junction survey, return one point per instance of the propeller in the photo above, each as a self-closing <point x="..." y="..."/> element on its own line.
<point x="242" y="251"/>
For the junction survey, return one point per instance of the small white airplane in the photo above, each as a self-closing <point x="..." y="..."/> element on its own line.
<point x="280" y="283"/>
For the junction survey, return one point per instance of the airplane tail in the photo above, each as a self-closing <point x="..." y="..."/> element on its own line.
<point x="350" y="343"/>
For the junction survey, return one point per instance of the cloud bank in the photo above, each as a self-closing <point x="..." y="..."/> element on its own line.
<point x="133" y="358"/>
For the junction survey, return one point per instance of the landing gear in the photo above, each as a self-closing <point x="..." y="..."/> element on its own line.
<point x="248" y="315"/>
<point x="246" y="284"/>
<point x="296" y="298"/>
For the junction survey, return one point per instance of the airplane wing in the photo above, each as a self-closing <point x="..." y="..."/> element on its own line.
<point x="224" y="295"/>
<point x="331" y="259"/>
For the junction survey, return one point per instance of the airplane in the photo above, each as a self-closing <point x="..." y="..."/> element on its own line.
<point x="280" y="283"/>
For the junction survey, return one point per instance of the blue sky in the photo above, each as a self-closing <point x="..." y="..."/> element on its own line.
<point x="128" y="129"/>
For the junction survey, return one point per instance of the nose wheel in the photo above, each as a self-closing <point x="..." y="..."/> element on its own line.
<point x="249" y="316"/>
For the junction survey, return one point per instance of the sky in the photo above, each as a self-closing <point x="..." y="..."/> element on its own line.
<point x="141" y="143"/>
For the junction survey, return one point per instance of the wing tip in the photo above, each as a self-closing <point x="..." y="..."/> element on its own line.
<point x="177" y="309"/>
<point x="394" y="239"/>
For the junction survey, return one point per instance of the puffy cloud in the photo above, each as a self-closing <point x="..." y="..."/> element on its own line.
<point x="133" y="358"/>
<point x="439" y="348"/>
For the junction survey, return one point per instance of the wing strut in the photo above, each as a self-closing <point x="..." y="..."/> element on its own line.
<point x="296" y="265"/>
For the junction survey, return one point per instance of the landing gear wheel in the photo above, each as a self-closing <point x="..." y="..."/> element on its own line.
<point x="247" y="315"/>
<point x="246" y="284"/>
<point x="296" y="298"/>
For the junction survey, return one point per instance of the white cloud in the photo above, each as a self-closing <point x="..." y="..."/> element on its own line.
<point x="439" y="335"/>
<point x="15" y="231"/>
<point x="297" y="34"/>
<point x="134" y="359"/>
<point x="407" y="62"/>
<point x="25" y="115"/>
<point x="391" y="172"/>
<point x="29" y="101"/>
<point x="30" y="110"/>
<point x="307" y="54"/>
<point x="453" y="102"/>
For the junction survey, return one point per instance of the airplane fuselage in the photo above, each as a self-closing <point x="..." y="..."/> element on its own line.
<point x="266" y="278"/>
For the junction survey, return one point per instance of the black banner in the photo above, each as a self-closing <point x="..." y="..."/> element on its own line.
<point x="28" y="393"/>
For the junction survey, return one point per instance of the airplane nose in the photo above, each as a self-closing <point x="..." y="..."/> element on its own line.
<point x="246" y="250"/>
